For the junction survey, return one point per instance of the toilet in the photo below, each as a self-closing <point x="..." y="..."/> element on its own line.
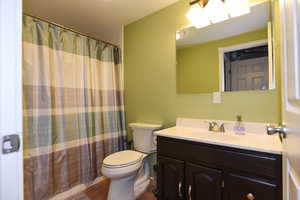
<point x="129" y="170"/>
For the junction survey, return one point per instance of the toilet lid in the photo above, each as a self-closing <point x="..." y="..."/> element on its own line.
<point x="123" y="159"/>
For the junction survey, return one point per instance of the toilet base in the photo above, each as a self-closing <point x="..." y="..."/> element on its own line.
<point x="125" y="189"/>
<point x="134" y="182"/>
<point x="122" y="189"/>
<point x="141" y="188"/>
<point x="142" y="181"/>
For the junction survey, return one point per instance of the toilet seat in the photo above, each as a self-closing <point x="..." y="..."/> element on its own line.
<point x="123" y="159"/>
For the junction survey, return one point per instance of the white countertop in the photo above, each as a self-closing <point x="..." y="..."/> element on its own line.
<point x="249" y="141"/>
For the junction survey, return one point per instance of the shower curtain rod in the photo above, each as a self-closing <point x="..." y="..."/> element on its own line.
<point x="69" y="29"/>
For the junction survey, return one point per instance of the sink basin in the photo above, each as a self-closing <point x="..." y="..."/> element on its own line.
<point x="249" y="141"/>
<point x="201" y="133"/>
<point x="215" y="135"/>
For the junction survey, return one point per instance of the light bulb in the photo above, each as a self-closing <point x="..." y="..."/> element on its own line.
<point x="197" y="16"/>
<point x="178" y="35"/>
<point x="216" y="11"/>
<point x="237" y="7"/>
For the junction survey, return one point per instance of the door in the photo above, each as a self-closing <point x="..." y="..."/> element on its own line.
<point x="250" y="74"/>
<point x="11" y="166"/>
<point x="290" y="26"/>
<point x="242" y="187"/>
<point x="203" y="183"/>
<point x="170" y="179"/>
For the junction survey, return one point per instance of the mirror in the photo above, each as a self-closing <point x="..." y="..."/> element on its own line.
<point x="232" y="55"/>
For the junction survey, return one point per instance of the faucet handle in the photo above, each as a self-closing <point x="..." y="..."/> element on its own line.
<point x="222" y="128"/>
<point x="212" y="125"/>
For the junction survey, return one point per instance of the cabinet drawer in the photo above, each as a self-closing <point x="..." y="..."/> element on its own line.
<point x="257" y="163"/>
<point x="245" y="188"/>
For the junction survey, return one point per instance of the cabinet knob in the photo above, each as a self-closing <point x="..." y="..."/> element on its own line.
<point x="250" y="196"/>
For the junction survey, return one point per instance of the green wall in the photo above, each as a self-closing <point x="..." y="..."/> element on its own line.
<point x="198" y="65"/>
<point x="150" y="78"/>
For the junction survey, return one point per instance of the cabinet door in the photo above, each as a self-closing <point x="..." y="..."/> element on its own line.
<point x="170" y="179"/>
<point x="239" y="187"/>
<point x="203" y="183"/>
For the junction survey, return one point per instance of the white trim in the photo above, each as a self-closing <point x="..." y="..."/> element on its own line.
<point x="289" y="102"/>
<point x="224" y="50"/>
<point x="290" y="108"/>
<point x="272" y="83"/>
<point x="11" y="165"/>
<point x="292" y="182"/>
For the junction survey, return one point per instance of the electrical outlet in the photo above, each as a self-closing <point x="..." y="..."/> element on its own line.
<point x="216" y="97"/>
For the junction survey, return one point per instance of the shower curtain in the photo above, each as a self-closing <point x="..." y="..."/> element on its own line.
<point x="73" y="108"/>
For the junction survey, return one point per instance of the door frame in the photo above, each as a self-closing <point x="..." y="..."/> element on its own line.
<point x="290" y="102"/>
<point x="11" y="165"/>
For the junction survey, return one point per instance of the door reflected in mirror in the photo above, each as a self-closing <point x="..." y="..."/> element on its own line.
<point x="233" y="55"/>
<point x="245" y="67"/>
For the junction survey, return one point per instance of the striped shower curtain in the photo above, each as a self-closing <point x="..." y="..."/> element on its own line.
<point x="73" y="108"/>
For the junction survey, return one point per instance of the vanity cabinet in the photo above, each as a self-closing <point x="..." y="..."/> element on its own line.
<point x="190" y="170"/>
<point x="171" y="179"/>
<point x="243" y="187"/>
<point x="203" y="182"/>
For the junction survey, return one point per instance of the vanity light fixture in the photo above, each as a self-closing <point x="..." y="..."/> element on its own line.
<point x="181" y="34"/>
<point x="216" y="11"/>
<point x="206" y="12"/>
<point x="197" y="16"/>
<point x="237" y="8"/>
<point x="178" y="35"/>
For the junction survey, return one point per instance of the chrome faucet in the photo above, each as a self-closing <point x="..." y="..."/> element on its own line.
<point x="214" y="126"/>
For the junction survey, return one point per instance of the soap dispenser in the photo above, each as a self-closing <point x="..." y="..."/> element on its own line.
<point x="239" y="127"/>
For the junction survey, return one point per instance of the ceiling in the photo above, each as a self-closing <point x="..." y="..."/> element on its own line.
<point x="256" y="19"/>
<point x="102" y="19"/>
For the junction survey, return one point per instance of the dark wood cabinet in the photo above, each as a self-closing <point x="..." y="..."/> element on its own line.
<point x="171" y="179"/>
<point x="203" y="182"/>
<point x="198" y="171"/>
<point x="243" y="187"/>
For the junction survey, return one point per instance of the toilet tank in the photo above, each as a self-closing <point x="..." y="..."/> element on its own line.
<point x="143" y="138"/>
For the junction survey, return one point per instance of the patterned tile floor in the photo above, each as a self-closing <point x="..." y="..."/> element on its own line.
<point x="99" y="191"/>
